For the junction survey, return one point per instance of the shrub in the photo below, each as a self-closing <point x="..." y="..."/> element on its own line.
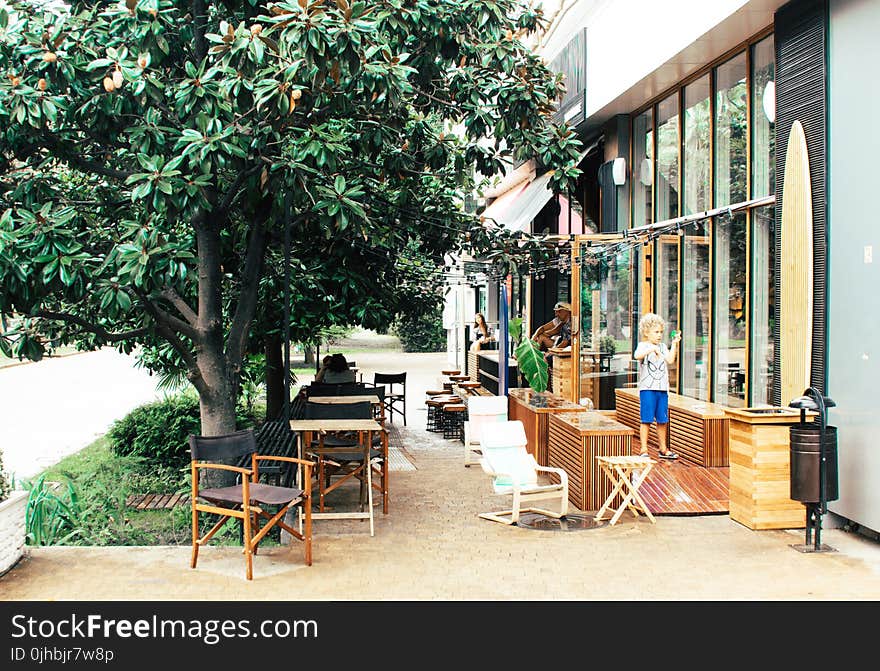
<point x="422" y="334"/>
<point x="607" y="344"/>
<point x="158" y="433"/>
<point x="5" y="487"/>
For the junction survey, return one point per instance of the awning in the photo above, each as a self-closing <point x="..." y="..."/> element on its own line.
<point x="527" y="205"/>
<point x="496" y="209"/>
<point x="516" y="208"/>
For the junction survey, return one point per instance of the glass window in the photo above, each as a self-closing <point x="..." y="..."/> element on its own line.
<point x="730" y="240"/>
<point x="667" y="159"/>
<point x="696" y="146"/>
<point x="763" y="119"/>
<point x="729" y="244"/>
<point x="763" y="303"/>
<point x="695" y="260"/>
<point x="606" y="343"/>
<point x="731" y="103"/>
<point x="643" y="168"/>
<point x="667" y="247"/>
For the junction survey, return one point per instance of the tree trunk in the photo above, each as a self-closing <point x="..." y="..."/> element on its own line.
<point x="217" y="406"/>
<point x="308" y="356"/>
<point x="274" y="376"/>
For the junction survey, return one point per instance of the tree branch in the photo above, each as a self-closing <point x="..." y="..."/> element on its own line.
<point x="182" y="306"/>
<point x="167" y="320"/>
<point x="194" y="374"/>
<point x="250" y="283"/>
<point x="200" y="22"/>
<point x="226" y="203"/>
<point x="98" y="330"/>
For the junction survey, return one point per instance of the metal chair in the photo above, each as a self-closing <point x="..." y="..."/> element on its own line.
<point x="248" y="499"/>
<point x="395" y="401"/>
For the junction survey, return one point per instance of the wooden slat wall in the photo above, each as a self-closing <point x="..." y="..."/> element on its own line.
<point x="701" y="438"/>
<point x="564" y="445"/>
<point x="576" y="455"/>
<point x="800" y="38"/>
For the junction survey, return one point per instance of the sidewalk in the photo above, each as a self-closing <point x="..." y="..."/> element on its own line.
<point x="433" y="547"/>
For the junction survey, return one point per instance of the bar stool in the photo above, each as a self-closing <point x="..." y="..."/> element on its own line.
<point x="470" y="387"/>
<point x="435" y="411"/>
<point x="460" y="378"/>
<point x="453" y="371"/>
<point x="453" y="420"/>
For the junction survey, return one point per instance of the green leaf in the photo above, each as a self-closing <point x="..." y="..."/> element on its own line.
<point x="532" y="365"/>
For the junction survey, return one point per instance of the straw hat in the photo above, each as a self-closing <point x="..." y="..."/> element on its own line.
<point x="562" y="305"/>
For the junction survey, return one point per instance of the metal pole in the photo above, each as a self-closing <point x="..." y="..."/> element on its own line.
<point x="820" y="401"/>
<point x="287" y="308"/>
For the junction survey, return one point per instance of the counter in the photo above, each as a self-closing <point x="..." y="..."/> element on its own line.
<point x="487" y="370"/>
<point x="533" y="408"/>
<point x="574" y="442"/>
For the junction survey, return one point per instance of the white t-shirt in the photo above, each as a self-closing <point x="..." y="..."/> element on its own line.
<point x="653" y="371"/>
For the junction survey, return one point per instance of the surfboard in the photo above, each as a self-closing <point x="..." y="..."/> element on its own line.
<point x="796" y="269"/>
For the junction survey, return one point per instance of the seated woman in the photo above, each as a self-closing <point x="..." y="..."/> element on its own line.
<point x="481" y="334"/>
<point x="338" y="370"/>
<point x="325" y="362"/>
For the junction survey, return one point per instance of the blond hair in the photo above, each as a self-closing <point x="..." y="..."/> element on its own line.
<point x="648" y="321"/>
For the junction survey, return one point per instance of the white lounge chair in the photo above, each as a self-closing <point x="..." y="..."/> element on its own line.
<point x="482" y="410"/>
<point x="515" y="473"/>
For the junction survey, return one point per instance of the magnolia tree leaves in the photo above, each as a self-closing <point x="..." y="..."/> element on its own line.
<point x="148" y="162"/>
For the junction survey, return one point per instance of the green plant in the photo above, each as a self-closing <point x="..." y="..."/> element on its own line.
<point x="158" y="432"/>
<point x="607" y="344"/>
<point x="530" y="361"/>
<point x="51" y="518"/>
<point x="421" y="334"/>
<point x="5" y="486"/>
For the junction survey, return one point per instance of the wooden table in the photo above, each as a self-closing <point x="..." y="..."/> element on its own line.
<point x="760" y="481"/>
<point x="698" y="430"/>
<point x="365" y="429"/>
<point x="532" y="408"/>
<point x="575" y="439"/>
<point x="626" y="474"/>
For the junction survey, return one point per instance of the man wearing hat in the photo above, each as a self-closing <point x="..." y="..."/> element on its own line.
<point x="555" y="333"/>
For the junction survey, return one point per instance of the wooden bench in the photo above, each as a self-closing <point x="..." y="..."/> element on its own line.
<point x="275" y="438"/>
<point x="698" y="430"/>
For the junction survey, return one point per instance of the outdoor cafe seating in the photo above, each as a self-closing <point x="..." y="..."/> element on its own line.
<point x="248" y="499"/>
<point x="515" y="473"/>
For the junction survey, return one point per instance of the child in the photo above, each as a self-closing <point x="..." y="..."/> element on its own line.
<point x="654" y="359"/>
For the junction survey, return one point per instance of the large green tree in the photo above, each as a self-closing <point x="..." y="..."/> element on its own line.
<point x="150" y="151"/>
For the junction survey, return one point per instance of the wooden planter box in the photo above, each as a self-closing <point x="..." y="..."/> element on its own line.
<point x="575" y="440"/>
<point x="759" y="469"/>
<point x="533" y="409"/>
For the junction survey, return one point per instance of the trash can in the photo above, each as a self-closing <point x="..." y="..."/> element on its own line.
<point x="804" y="443"/>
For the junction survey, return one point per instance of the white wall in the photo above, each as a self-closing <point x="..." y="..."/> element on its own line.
<point x="854" y="299"/>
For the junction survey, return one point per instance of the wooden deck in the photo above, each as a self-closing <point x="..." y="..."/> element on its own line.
<point x="682" y="488"/>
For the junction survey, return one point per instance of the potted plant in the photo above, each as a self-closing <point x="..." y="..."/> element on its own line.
<point x="607" y="349"/>
<point x="529" y="359"/>
<point x="12" y="521"/>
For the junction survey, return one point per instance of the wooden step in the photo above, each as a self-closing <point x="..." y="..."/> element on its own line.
<point x="156" y="501"/>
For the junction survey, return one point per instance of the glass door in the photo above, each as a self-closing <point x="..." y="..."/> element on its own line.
<point x="606" y="328"/>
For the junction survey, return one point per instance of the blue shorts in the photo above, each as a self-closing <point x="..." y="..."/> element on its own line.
<point x="654" y="404"/>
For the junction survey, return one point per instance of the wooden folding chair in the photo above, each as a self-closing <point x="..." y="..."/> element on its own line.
<point x="249" y="499"/>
